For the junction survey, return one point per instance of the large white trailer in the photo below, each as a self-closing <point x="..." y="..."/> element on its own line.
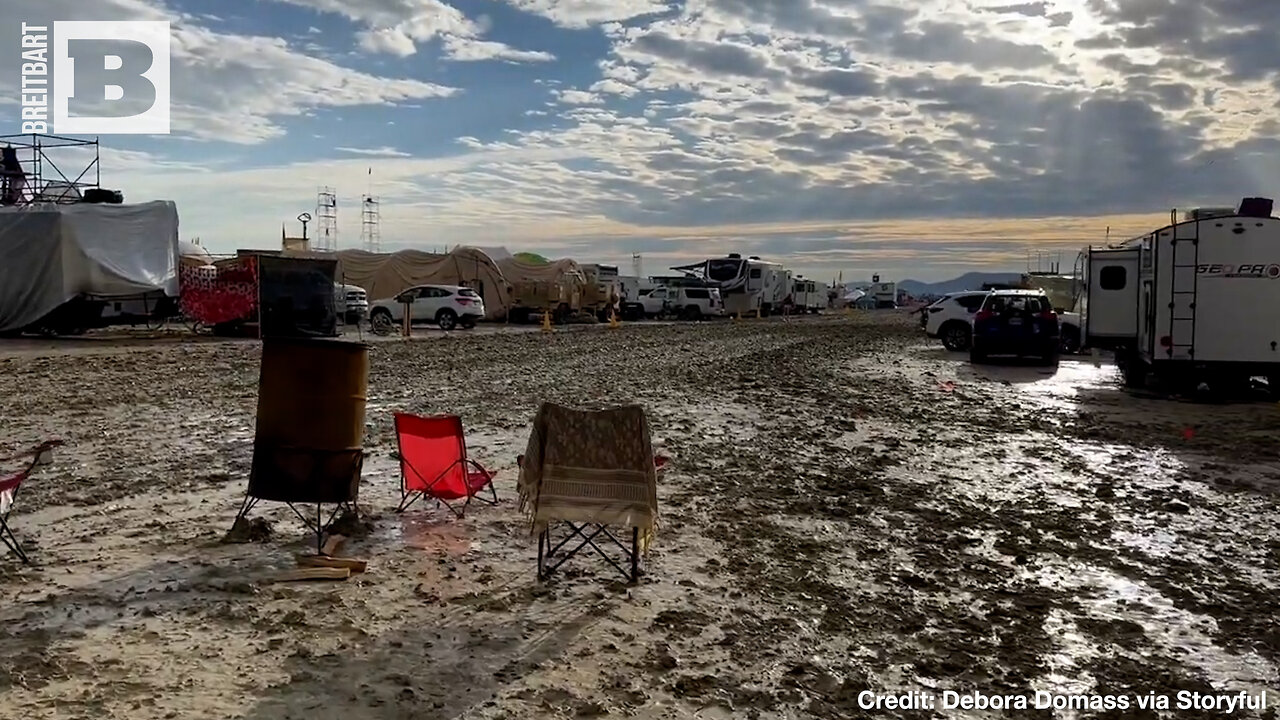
<point x="809" y="295"/>
<point x="1195" y="301"/>
<point x="746" y="284"/>
<point x="884" y="293"/>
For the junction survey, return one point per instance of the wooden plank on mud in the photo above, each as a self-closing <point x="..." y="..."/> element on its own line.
<point x="314" y="573"/>
<point x="352" y="564"/>
<point x="333" y="545"/>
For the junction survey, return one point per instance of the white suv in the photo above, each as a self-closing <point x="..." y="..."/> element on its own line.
<point x="693" y="303"/>
<point x="950" y="318"/>
<point x="445" y="305"/>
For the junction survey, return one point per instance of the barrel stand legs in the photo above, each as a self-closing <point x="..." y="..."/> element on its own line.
<point x="316" y="524"/>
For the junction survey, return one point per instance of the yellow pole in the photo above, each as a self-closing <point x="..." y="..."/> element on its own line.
<point x="757" y="313"/>
<point x="613" y="319"/>
<point x="546" y="321"/>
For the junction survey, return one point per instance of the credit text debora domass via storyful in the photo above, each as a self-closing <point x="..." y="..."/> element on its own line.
<point x="1225" y="703"/>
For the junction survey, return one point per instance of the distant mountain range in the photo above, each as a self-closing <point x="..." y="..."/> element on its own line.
<point x="968" y="281"/>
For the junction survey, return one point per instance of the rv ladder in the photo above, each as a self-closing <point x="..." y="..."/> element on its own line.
<point x="1182" y="301"/>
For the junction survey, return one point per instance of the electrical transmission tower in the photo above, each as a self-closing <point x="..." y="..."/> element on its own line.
<point x="370" y="235"/>
<point x="327" y="219"/>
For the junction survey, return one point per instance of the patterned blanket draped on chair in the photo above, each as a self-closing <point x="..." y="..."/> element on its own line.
<point x="592" y="466"/>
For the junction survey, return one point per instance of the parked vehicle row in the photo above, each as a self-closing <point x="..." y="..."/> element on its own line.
<point x="1190" y="306"/>
<point x="685" y="303"/>
<point x="450" y="306"/>
<point x="951" y="319"/>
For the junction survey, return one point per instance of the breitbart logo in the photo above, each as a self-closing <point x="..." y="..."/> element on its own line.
<point x="1271" y="271"/>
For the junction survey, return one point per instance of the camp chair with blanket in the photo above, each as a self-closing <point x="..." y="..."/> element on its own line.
<point x="587" y="470"/>
<point x="41" y="454"/>
<point x="434" y="463"/>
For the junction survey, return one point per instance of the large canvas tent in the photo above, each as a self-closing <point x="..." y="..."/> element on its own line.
<point x="386" y="275"/>
<point x="54" y="253"/>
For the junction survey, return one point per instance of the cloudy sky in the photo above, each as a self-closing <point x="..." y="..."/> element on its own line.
<point x="914" y="139"/>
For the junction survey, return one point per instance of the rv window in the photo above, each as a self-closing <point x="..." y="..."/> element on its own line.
<point x="1112" y="277"/>
<point x="755" y="273"/>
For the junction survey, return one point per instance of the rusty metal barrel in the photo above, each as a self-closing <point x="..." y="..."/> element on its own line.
<point x="308" y="445"/>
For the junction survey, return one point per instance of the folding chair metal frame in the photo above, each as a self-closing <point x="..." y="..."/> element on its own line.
<point x="13" y="483"/>
<point x="317" y="525"/>
<point x="547" y="552"/>
<point x="409" y="497"/>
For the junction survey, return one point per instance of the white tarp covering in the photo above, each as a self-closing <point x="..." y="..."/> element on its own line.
<point x="52" y="253"/>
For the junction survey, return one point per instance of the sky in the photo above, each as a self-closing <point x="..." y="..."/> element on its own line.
<point x="910" y="139"/>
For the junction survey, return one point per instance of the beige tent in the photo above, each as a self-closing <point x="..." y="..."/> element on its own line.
<point x="386" y="275"/>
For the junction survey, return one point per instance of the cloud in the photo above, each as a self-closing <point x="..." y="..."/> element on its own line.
<point x="825" y="132"/>
<point x="577" y="97"/>
<point x="585" y="13"/>
<point x="396" y="27"/>
<point x="374" y="152"/>
<point x="233" y="88"/>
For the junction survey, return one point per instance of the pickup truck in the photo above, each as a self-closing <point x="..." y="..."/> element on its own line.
<point x="647" y="303"/>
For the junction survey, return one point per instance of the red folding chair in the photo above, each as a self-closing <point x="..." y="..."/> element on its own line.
<point x="41" y="454"/>
<point x="434" y="463"/>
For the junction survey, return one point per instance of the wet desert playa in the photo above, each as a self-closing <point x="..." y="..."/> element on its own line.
<point x="849" y="508"/>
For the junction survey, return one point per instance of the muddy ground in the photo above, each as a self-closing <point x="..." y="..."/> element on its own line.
<point x="849" y="508"/>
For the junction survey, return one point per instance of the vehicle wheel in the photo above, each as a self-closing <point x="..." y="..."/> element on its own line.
<point x="447" y="319"/>
<point x="976" y="355"/>
<point x="1069" y="343"/>
<point x="1134" y="372"/>
<point x="381" y="323"/>
<point x="956" y="336"/>
<point x="157" y="322"/>
<point x="692" y="313"/>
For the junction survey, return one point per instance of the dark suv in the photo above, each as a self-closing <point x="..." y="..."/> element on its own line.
<point x="1015" y="322"/>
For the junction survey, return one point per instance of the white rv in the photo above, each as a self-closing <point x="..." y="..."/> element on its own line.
<point x="746" y="284"/>
<point x="808" y="295"/>
<point x="885" y="294"/>
<point x="1195" y="301"/>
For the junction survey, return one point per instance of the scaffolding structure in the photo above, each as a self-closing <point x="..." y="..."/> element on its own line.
<point x="370" y="216"/>
<point x="326" y="237"/>
<point x="53" y="169"/>
<point x="1046" y="263"/>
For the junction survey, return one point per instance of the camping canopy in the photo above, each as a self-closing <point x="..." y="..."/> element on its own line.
<point x="53" y="253"/>
<point x="385" y="275"/>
